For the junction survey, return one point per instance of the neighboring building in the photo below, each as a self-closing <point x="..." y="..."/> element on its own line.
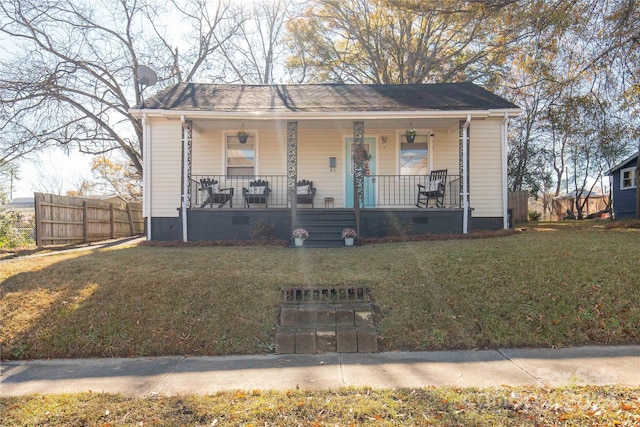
<point x="295" y="132"/>
<point x="624" y="194"/>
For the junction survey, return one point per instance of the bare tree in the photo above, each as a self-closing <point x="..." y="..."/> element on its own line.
<point x="258" y="55"/>
<point x="391" y="42"/>
<point x="69" y="78"/>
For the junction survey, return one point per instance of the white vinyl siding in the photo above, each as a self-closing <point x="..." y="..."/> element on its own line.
<point x="485" y="168"/>
<point x="166" y="164"/>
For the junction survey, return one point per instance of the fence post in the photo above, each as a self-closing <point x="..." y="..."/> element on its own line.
<point x="85" y="222"/>
<point x="130" y="214"/>
<point x="112" y="221"/>
<point x="39" y="228"/>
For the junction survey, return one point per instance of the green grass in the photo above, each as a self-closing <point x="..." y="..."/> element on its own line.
<point x="559" y="284"/>
<point x="503" y="406"/>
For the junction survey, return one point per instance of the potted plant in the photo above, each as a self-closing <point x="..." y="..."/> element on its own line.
<point x="242" y="136"/>
<point x="299" y="236"/>
<point x="349" y="234"/>
<point x="410" y="134"/>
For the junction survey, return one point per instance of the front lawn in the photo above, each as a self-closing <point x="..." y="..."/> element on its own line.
<point x="558" y="284"/>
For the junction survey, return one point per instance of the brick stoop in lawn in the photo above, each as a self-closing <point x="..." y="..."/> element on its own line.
<point x="326" y="320"/>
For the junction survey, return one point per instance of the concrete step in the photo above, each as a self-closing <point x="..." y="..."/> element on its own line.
<point x="309" y="328"/>
<point x="325" y="226"/>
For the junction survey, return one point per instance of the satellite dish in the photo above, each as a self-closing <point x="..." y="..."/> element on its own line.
<point x="146" y="76"/>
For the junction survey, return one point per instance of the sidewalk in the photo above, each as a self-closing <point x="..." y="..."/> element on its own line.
<point x="175" y="375"/>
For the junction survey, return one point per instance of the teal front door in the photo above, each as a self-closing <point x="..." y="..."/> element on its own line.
<point x="370" y="172"/>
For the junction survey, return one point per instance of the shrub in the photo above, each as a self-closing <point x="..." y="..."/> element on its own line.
<point x="395" y="228"/>
<point x="261" y="230"/>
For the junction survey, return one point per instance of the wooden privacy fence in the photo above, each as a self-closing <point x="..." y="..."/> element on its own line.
<point x="64" y="220"/>
<point x="518" y="202"/>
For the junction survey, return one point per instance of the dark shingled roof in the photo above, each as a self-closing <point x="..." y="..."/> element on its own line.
<point x="318" y="98"/>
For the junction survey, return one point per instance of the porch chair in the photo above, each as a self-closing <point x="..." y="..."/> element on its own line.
<point x="433" y="190"/>
<point x="258" y="192"/>
<point x="305" y="192"/>
<point x="215" y="194"/>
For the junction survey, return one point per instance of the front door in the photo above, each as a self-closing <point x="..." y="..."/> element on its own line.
<point x="370" y="172"/>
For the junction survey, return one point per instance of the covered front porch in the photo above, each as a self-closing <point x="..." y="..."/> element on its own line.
<point x="348" y="190"/>
<point x="234" y="156"/>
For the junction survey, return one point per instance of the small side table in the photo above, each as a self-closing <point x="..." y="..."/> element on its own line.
<point x="328" y="201"/>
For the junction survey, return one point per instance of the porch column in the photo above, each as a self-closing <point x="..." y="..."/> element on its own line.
<point x="292" y="168"/>
<point x="464" y="171"/>
<point x="187" y="146"/>
<point x="358" y="170"/>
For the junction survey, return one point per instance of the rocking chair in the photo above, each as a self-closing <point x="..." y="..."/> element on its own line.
<point x="433" y="190"/>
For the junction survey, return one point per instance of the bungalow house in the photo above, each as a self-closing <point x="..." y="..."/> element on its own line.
<point x="211" y="150"/>
<point x="623" y="184"/>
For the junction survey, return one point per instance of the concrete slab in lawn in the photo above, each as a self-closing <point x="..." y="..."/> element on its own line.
<point x="593" y="365"/>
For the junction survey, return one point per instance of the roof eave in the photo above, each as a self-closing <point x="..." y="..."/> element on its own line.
<point x="298" y="115"/>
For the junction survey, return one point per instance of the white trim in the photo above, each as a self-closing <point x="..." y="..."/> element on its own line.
<point x="465" y="176"/>
<point x="505" y="199"/>
<point x="250" y="132"/>
<point x="344" y="115"/>
<point x="146" y="174"/>
<point x="185" y="182"/>
<point x="401" y="139"/>
<point x="634" y="184"/>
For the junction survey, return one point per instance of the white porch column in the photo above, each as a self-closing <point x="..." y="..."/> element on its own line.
<point x="186" y="137"/>
<point x="505" y="193"/>
<point x="465" y="175"/>
<point x="292" y="168"/>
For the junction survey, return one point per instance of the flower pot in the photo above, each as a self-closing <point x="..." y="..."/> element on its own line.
<point x="410" y="138"/>
<point x="348" y="241"/>
<point x="242" y="139"/>
<point x="298" y="241"/>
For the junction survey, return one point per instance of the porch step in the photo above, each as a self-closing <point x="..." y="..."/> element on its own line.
<point x="325" y="226"/>
<point x="326" y="320"/>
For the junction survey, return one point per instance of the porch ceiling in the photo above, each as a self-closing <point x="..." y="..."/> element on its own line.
<point x="204" y="125"/>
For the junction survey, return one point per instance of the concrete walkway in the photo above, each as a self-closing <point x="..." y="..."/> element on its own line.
<point x="204" y="375"/>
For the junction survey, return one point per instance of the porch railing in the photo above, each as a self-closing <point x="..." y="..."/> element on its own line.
<point x="379" y="190"/>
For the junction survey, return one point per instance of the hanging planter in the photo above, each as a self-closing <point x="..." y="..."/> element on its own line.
<point x="242" y="136"/>
<point x="410" y="134"/>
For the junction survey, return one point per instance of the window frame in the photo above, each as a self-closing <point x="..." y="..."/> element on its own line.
<point x="632" y="172"/>
<point x="252" y="140"/>
<point x="427" y="136"/>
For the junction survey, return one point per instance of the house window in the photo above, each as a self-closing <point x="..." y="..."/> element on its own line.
<point x="627" y="178"/>
<point x="241" y="158"/>
<point x="414" y="157"/>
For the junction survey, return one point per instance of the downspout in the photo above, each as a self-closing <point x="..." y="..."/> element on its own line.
<point x="185" y="184"/>
<point x="465" y="176"/>
<point x="146" y="175"/>
<point x="505" y="198"/>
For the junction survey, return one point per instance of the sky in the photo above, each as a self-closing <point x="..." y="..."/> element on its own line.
<point x="52" y="169"/>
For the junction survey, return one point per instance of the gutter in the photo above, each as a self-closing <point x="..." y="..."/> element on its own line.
<point x="185" y="183"/>
<point x="146" y="175"/>
<point x="324" y="115"/>
<point x="465" y="176"/>
<point x="505" y="198"/>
